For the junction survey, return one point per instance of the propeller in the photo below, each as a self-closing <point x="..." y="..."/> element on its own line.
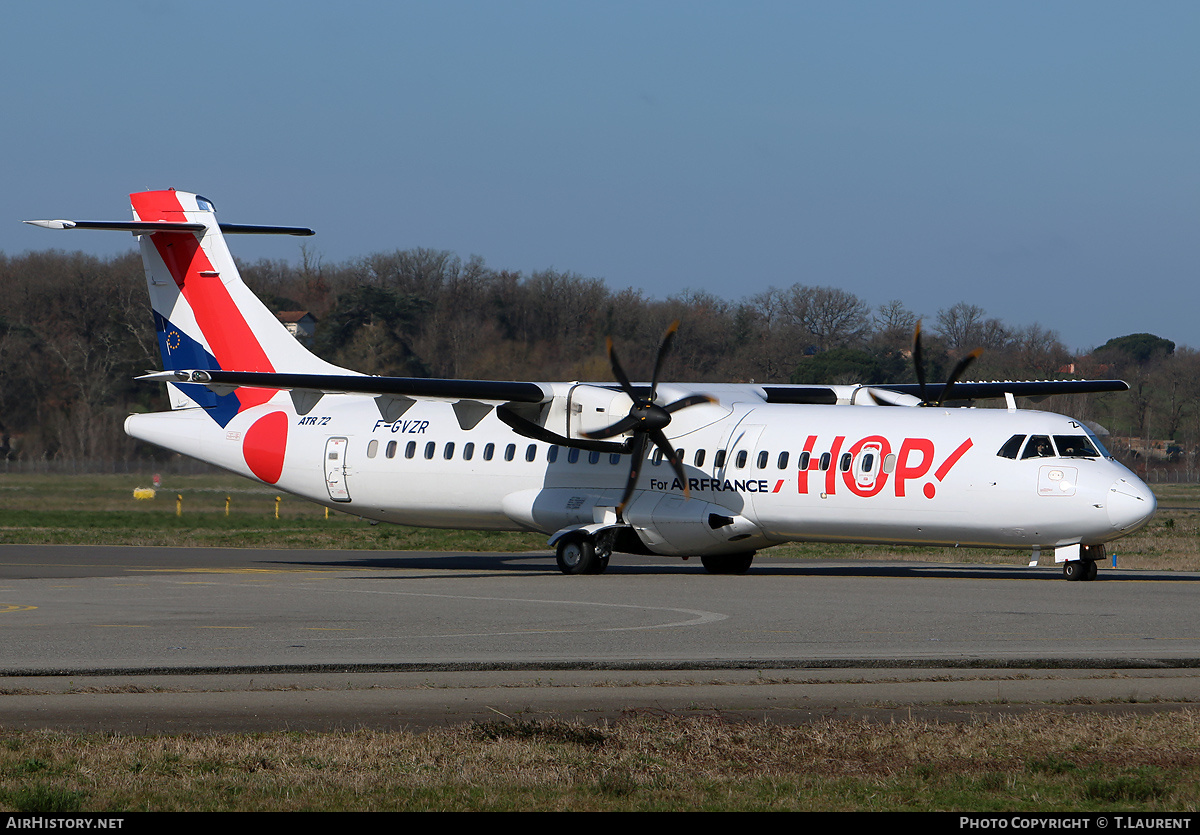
<point x="647" y="419"/>
<point x="959" y="369"/>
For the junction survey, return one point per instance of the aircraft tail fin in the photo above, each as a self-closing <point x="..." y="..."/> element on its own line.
<point x="205" y="316"/>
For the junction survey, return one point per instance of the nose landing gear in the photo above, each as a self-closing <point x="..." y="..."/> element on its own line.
<point x="1084" y="568"/>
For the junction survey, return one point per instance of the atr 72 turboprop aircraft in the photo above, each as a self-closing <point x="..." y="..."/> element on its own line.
<point x="713" y="471"/>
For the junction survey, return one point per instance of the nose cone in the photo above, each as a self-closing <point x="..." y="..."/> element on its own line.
<point x="1130" y="504"/>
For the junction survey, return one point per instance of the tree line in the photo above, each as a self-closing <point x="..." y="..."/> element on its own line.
<point x="76" y="329"/>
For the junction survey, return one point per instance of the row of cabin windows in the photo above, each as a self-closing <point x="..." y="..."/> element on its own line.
<point x="468" y="451"/>
<point x="741" y="460"/>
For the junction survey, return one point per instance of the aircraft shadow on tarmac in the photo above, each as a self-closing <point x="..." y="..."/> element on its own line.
<point x="533" y="565"/>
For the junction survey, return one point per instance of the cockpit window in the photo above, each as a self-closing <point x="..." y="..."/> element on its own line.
<point x="1011" y="447"/>
<point x="1075" y="446"/>
<point x="1038" y="447"/>
<point x="205" y="204"/>
<point x="1098" y="444"/>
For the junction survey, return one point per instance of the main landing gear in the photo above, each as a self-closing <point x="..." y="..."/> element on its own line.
<point x="579" y="553"/>
<point x="583" y="553"/>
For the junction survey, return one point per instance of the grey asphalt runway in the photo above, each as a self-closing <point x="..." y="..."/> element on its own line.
<point x="154" y="639"/>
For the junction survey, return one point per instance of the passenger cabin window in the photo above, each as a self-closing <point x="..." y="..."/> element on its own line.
<point x="803" y="461"/>
<point x="552" y="454"/>
<point x="1038" y="447"/>
<point x="783" y="461"/>
<point x="410" y="450"/>
<point x="1011" y="447"/>
<point x="826" y="460"/>
<point x="719" y="459"/>
<point x="510" y="452"/>
<point x="763" y="457"/>
<point x="391" y="449"/>
<point x="448" y="452"/>
<point x="699" y="460"/>
<point x="488" y="452"/>
<point x="430" y="448"/>
<point x="531" y="452"/>
<point x="741" y="458"/>
<point x="468" y="450"/>
<point x="845" y="462"/>
<point x="572" y="455"/>
<point x="372" y="448"/>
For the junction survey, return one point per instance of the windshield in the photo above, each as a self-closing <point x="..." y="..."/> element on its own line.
<point x="1038" y="447"/>
<point x="1075" y="446"/>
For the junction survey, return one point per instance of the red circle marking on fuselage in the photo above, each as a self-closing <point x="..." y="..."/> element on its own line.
<point x="264" y="444"/>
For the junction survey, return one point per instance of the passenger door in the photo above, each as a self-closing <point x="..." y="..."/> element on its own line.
<point x="335" y="469"/>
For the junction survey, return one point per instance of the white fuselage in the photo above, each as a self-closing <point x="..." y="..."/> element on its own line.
<point x="758" y="474"/>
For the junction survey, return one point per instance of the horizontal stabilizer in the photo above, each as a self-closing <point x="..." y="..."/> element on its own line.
<point x="146" y="227"/>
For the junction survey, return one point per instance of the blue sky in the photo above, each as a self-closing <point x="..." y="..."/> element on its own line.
<point x="1037" y="159"/>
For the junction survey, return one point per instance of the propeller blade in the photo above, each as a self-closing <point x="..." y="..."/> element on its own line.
<point x="663" y="349"/>
<point x="619" y="372"/>
<point x="529" y="429"/>
<point x="690" y="400"/>
<point x="660" y="440"/>
<point x="635" y="469"/>
<point x="919" y="362"/>
<point x="622" y="426"/>
<point x="957" y="372"/>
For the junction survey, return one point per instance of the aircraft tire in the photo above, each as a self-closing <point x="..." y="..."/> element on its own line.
<point x="577" y="555"/>
<point x="727" y="563"/>
<point x="1090" y="573"/>
<point x="1074" y="570"/>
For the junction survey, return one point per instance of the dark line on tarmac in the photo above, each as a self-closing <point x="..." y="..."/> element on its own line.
<point x="638" y="666"/>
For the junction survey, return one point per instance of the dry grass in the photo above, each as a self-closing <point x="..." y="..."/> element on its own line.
<point x="1035" y="762"/>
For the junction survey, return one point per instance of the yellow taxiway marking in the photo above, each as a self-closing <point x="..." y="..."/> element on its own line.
<point x="14" y="607"/>
<point x="246" y="570"/>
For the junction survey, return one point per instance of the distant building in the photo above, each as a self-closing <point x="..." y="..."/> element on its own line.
<point x="300" y="324"/>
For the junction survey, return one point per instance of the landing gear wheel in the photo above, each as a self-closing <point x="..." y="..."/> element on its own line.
<point x="577" y="555"/>
<point x="1079" y="570"/>
<point x="727" y="563"/>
